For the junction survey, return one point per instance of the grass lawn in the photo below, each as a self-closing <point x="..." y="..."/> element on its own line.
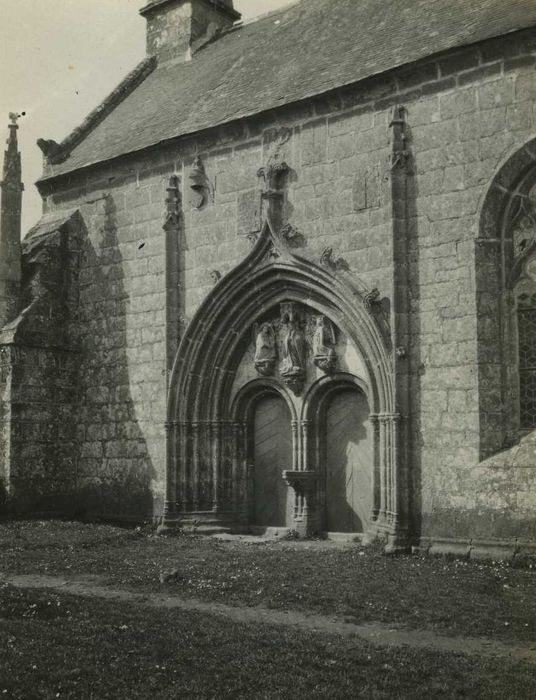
<point x="451" y="597"/>
<point x="59" y="646"/>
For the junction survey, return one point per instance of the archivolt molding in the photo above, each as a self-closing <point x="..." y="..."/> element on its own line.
<point x="208" y="354"/>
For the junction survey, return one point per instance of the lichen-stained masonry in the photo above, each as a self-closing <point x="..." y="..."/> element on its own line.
<point x="390" y="201"/>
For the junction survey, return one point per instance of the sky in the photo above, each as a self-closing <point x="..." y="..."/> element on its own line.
<point x="59" y="59"/>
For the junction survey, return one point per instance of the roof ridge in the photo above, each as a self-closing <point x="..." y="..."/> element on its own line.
<point x="240" y="24"/>
<point x="264" y="15"/>
<point x="57" y="153"/>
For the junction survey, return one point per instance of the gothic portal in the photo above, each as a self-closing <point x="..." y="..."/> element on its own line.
<point x="280" y="404"/>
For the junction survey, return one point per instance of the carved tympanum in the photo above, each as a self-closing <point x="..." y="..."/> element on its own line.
<point x="265" y="350"/>
<point x="324" y="341"/>
<point x="294" y="363"/>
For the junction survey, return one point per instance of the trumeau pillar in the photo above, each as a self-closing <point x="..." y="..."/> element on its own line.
<point x="10" y="226"/>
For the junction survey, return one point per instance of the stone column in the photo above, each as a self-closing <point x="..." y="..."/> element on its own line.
<point x="215" y="439"/>
<point x="170" y="520"/>
<point x="376" y="488"/>
<point x="195" y="466"/>
<point x="389" y="522"/>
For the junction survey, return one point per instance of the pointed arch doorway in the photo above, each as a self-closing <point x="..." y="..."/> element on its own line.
<point x="272" y="454"/>
<point x="210" y="463"/>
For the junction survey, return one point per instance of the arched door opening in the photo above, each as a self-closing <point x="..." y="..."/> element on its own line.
<point x="271" y="450"/>
<point x="348" y="459"/>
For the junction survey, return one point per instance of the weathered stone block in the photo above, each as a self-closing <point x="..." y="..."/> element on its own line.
<point x="249" y="212"/>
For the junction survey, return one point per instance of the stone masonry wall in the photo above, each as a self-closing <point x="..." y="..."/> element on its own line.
<point x="466" y="112"/>
<point x="39" y="369"/>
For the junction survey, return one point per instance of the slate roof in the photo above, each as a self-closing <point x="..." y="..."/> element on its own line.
<point x="306" y="49"/>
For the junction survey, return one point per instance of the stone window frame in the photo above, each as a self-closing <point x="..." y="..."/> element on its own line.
<point x="500" y="271"/>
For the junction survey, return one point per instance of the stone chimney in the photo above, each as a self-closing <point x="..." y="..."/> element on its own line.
<point x="176" y="29"/>
<point x="10" y="226"/>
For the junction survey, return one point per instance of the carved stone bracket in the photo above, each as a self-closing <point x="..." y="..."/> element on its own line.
<point x="302" y="482"/>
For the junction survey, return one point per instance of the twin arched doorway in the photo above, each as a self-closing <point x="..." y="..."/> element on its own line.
<point x="335" y="444"/>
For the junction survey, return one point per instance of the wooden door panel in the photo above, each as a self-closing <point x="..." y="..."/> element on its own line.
<point x="348" y="463"/>
<point x="273" y="454"/>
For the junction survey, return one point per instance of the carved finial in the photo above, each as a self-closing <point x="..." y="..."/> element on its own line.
<point x="14" y="117"/>
<point x="12" y="159"/>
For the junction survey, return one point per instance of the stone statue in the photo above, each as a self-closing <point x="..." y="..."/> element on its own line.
<point x="323" y="342"/>
<point x="293" y="366"/>
<point x="265" y="350"/>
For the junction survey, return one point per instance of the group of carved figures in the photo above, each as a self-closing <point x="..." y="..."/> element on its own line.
<point x="295" y="348"/>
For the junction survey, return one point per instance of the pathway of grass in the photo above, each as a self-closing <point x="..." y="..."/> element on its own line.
<point x="380" y="634"/>
<point x="62" y="646"/>
<point x="456" y="598"/>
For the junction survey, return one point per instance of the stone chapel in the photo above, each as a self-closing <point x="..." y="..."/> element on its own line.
<point x="285" y="280"/>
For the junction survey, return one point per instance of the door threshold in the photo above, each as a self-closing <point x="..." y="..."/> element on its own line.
<point x="345" y="536"/>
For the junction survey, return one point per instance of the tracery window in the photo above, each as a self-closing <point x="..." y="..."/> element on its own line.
<point x="526" y="325"/>
<point x="524" y="275"/>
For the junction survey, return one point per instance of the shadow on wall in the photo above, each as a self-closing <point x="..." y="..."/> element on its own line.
<point x="414" y="364"/>
<point x="115" y="471"/>
<point x="348" y="456"/>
